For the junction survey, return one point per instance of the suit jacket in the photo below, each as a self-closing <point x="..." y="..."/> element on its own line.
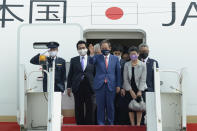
<point x="60" y="73"/>
<point x="150" y="74"/>
<point x="140" y="76"/>
<point x="76" y="73"/>
<point x="122" y="62"/>
<point x="112" y="74"/>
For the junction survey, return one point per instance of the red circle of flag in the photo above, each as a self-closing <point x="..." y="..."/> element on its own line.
<point x="114" y="13"/>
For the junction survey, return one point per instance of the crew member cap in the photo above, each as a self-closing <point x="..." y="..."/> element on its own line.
<point x="53" y="45"/>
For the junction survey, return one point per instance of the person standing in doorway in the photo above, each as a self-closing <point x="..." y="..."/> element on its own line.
<point x="80" y="80"/>
<point x="134" y="83"/>
<point x="107" y="82"/>
<point x="144" y="57"/>
<point x="121" y="114"/>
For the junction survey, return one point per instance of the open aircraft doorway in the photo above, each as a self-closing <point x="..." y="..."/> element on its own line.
<point x="120" y="37"/>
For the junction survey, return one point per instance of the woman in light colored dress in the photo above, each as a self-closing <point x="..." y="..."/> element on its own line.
<point x="134" y="78"/>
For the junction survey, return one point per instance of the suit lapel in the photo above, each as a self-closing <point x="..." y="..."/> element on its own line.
<point x="130" y="70"/>
<point x="56" y="62"/>
<point x="102" y="57"/>
<point x="79" y="63"/>
<point x="148" y="61"/>
<point x="109" y="61"/>
<point x="149" y="65"/>
<point x="136" y="70"/>
<point x="87" y="63"/>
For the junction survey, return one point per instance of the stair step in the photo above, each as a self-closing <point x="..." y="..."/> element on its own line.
<point x="102" y="128"/>
<point x="9" y="126"/>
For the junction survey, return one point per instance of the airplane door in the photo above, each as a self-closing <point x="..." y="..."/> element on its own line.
<point x="67" y="35"/>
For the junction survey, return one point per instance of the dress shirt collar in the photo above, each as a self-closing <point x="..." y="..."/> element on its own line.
<point x="145" y="60"/>
<point x="85" y="57"/>
<point x="107" y="56"/>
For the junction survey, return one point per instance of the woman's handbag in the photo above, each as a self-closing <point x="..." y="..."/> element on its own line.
<point x="136" y="105"/>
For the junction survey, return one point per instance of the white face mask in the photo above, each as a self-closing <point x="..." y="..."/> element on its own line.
<point x="52" y="53"/>
<point x="82" y="52"/>
<point x="119" y="57"/>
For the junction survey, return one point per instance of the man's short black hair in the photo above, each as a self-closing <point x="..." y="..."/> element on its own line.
<point x="133" y="48"/>
<point x="105" y="41"/>
<point x="81" y="42"/>
<point x="117" y="48"/>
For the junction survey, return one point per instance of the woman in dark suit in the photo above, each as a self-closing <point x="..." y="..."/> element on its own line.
<point x="134" y="81"/>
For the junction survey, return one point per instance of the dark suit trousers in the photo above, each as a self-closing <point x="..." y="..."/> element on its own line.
<point x="105" y="102"/>
<point x="84" y="105"/>
<point x="121" y="110"/>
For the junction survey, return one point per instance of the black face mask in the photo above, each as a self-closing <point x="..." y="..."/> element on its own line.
<point x="105" y="52"/>
<point x="143" y="55"/>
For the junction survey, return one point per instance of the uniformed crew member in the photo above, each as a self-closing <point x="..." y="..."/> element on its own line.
<point x="60" y="67"/>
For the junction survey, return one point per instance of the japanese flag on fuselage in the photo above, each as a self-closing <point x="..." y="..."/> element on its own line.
<point x="120" y="13"/>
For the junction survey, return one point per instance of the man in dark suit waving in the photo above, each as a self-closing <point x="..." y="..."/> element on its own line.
<point x="106" y="82"/>
<point x="80" y="80"/>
